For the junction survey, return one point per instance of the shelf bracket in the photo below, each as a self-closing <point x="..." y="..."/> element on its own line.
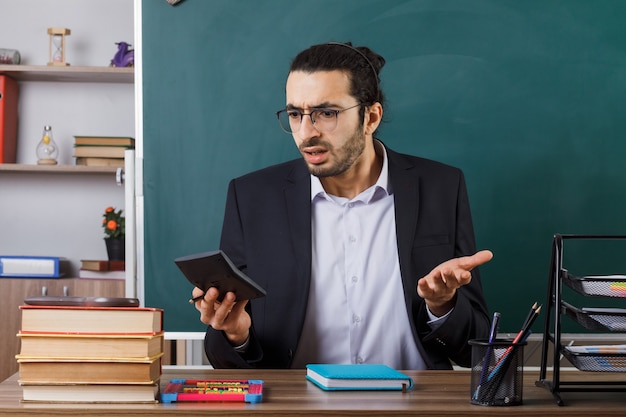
<point x="119" y="176"/>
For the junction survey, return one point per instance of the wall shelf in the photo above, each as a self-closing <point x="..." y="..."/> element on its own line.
<point x="79" y="74"/>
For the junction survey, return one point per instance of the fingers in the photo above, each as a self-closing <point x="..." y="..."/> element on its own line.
<point x="223" y="309"/>
<point x="239" y="307"/>
<point x="457" y="272"/>
<point x="443" y="281"/>
<point x="196" y="292"/>
<point x="216" y="313"/>
<point x="207" y="305"/>
<point x="470" y="262"/>
<point x="228" y="315"/>
<point x="441" y="284"/>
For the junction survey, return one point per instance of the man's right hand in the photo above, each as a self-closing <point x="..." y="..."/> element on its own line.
<point x="230" y="316"/>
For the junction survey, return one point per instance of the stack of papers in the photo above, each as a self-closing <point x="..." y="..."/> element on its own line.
<point x="599" y="349"/>
<point x="602" y="358"/>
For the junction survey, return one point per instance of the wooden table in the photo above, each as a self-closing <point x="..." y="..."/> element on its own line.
<point x="286" y="392"/>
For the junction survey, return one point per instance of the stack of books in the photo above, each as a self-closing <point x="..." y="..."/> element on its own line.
<point x="101" y="150"/>
<point x="90" y="354"/>
<point x="102" y="269"/>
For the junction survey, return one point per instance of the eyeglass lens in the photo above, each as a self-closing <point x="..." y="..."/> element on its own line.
<point x="324" y="120"/>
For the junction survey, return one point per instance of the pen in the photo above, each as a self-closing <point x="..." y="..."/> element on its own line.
<point x="494" y="327"/>
<point x="492" y="337"/>
<point x="196" y="299"/>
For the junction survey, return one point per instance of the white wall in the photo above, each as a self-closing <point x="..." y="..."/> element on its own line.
<point x="95" y="24"/>
<point x="71" y="109"/>
<point x="60" y="214"/>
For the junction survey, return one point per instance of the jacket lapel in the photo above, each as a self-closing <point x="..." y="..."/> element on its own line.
<point x="298" y="202"/>
<point x="404" y="182"/>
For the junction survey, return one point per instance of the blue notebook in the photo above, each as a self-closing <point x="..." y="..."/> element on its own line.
<point x="333" y="377"/>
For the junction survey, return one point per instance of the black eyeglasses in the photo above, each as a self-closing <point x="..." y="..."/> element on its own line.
<point x="324" y="120"/>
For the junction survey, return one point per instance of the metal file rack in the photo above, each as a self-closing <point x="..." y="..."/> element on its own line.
<point x="603" y="319"/>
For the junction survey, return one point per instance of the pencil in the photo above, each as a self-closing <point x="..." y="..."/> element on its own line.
<point x="196" y="299"/>
<point x="530" y="323"/>
<point x="520" y="338"/>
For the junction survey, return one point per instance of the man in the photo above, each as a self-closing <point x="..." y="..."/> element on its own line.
<point x="341" y="237"/>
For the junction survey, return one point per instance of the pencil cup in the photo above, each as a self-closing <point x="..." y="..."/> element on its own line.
<point x="497" y="372"/>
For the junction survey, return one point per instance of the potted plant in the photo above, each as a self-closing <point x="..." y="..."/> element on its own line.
<point x="114" y="225"/>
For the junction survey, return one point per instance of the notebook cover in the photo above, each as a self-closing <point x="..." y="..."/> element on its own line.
<point x="376" y="375"/>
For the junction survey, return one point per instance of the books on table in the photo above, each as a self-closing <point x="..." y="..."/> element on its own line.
<point x="67" y="390"/>
<point x="92" y="393"/>
<point x="357" y="377"/>
<point x="33" y="266"/>
<point x="91" y="320"/>
<point x="88" y="346"/>
<point x="122" y="370"/>
<point x="90" y="354"/>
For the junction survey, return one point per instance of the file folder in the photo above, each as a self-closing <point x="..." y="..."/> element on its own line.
<point x="8" y="119"/>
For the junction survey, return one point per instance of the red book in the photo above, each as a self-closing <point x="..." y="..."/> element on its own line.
<point x="8" y="119"/>
<point x="102" y="265"/>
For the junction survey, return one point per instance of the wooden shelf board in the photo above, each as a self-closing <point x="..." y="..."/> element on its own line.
<point x="56" y="169"/>
<point x="69" y="74"/>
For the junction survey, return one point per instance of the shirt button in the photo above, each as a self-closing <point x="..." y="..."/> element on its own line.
<point x="356" y="319"/>
<point x="352" y="239"/>
<point x="355" y="279"/>
<point x="359" y="359"/>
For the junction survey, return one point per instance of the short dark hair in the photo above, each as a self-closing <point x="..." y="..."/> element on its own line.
<point x="361" y="63"/>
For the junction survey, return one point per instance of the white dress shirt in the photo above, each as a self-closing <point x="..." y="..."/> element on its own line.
<point x="356" y="311"/>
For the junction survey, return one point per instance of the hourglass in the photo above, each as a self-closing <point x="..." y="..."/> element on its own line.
<point x="57" y="46"/>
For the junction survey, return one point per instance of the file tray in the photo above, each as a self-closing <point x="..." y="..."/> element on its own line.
<point x="597" y="358"/>
<point x="196" y="390"/>
<point x="599" y="285"/>
<point x="611" y="319"/>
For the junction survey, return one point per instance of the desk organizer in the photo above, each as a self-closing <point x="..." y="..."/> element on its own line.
<point x="497" y="372"/>
<point x="601" y="285"/>
<point x="597" y="358"/>
<point x="604" y="358"/>
<point x="603" y="319"/>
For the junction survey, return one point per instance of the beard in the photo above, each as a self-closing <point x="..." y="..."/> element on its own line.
<point x="344" y="157"/>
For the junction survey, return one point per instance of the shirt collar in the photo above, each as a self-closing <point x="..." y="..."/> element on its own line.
<point x="381" y="184"/>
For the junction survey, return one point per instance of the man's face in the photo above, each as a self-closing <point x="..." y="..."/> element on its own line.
<point x="326" y="153"/>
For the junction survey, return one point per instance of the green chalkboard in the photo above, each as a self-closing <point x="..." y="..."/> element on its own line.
<point x="527" y="97"/>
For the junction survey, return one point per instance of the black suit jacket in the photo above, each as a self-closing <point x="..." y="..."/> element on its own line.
<point x="267" y="233"/>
